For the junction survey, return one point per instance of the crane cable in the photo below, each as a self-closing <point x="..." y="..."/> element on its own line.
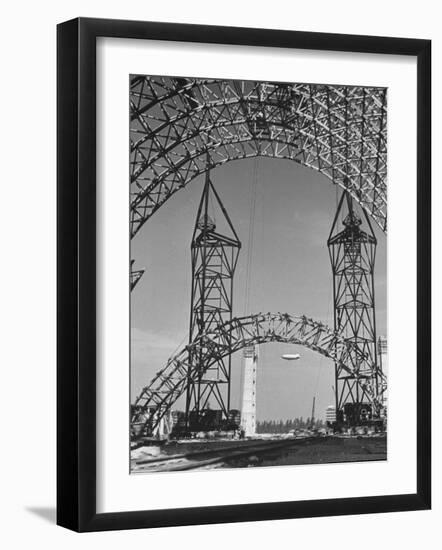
<point x="329" y="302"/>
<point x="250" y="241"/>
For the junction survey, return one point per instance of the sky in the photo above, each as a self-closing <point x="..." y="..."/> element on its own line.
<point x="290" y="273"/>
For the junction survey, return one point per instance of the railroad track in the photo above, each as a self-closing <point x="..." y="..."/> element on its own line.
<point x="203" y="459"/>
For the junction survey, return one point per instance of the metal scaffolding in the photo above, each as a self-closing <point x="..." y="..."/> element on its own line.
<point x="181" y="128"/>
<point x="135" y="275"/>
<point x="352" y="248"/>
<point x="214" y="254"/>
<point x="171" y="382"/>
<point x="177" y="124"/>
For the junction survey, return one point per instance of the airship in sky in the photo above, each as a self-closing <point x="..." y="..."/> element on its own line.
<point x="290" y="356"/>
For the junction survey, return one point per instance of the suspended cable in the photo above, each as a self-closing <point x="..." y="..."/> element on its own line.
<point x="251" y="235"/>
<point x="179" y="346"/>
<point x="321" y="364"/>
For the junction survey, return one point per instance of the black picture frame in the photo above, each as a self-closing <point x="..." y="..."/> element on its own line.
<point x="76" y="274"/>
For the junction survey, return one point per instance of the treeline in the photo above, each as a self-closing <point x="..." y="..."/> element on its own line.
<point x="281" y="426"/>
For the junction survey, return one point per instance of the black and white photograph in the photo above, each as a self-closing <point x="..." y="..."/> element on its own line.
<point x="258" y="274"/>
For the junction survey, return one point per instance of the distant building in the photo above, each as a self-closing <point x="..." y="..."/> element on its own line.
<point x="330" y="414"/>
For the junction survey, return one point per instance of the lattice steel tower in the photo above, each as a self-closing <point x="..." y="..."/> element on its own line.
<point x="214" y="253"/>
<point x="352" y="248"/>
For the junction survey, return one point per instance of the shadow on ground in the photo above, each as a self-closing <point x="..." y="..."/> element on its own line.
<point x="46" y="513"/>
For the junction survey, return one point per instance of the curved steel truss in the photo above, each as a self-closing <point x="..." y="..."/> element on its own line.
<point x="180" y="127"/>
<point x="171" y="382"/>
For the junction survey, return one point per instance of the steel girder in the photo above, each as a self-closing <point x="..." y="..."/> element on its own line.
<point x="214" y="252"/>
<point x="177" y="123"/>
<point x="171" y="382"/>
<point x="135" y="275"/>
<point x="352" y="248"/>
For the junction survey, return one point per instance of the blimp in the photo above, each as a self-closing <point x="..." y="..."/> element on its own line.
<point x="290" y="356"/>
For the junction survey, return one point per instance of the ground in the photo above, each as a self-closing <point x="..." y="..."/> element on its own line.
<point x="250" y="453"/>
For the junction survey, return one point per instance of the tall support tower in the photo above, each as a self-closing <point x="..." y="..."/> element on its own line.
<point x="214" y="251"/>
<point x="352" y="248"/>
<point x="248" y="403"/>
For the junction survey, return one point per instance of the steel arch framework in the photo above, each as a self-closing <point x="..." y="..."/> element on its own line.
<point x="179" y="123"/>
<point x="171" y="382"/>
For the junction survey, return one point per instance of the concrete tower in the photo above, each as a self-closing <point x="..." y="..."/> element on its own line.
<point x="248" y="405"/>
